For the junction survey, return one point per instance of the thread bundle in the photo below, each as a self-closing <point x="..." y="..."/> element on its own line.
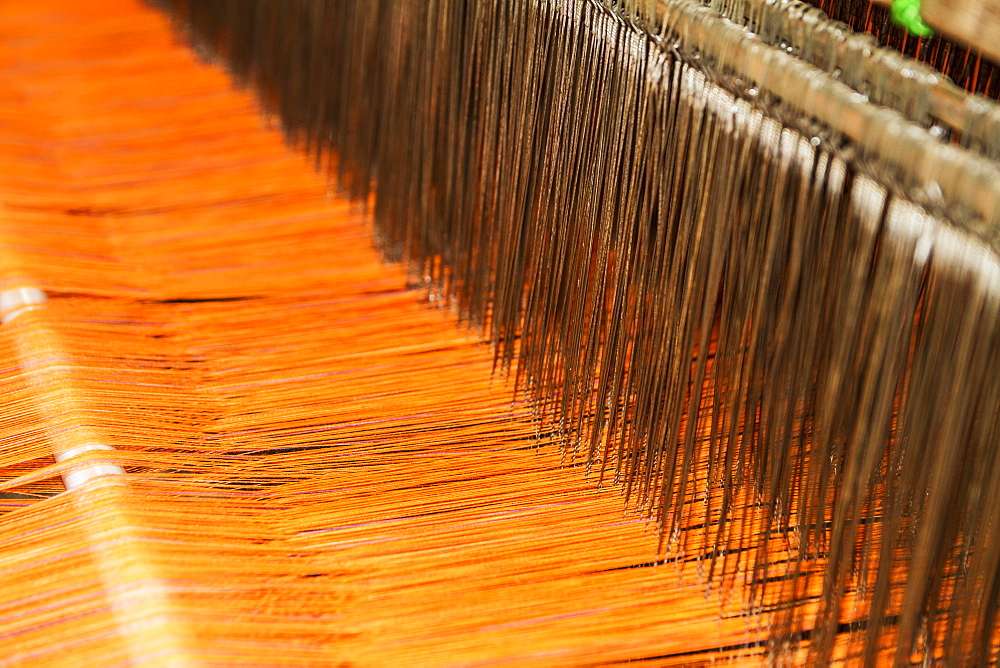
<point x="703" y="298"/>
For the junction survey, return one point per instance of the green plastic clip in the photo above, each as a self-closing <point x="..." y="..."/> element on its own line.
<point x="907" y="14"/>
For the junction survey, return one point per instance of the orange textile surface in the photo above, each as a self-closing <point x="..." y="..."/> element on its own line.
<point x="319" y="468"/>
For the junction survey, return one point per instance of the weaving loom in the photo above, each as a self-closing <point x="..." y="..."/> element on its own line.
<point x="677" y="343"/>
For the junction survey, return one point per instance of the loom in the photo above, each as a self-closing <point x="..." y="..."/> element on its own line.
<point x="499" y="332"/>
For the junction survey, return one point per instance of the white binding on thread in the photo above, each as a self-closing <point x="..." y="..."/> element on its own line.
<point x="15" y="301"/>
<point x="77" y="476"/>
<point x="19" y="300"/>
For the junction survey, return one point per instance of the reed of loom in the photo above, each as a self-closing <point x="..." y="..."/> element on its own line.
<point x="735" y="261"/>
